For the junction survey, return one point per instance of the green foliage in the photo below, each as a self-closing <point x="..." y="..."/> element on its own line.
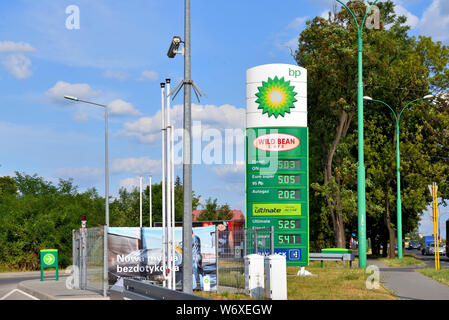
<point x="212" y="211"/>
<point x="224" y="213"/>
<point x="36" y="214"/>
<point x="7" y="186"/>
<point x="397" y="69"/>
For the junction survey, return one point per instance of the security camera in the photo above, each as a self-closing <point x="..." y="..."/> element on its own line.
<point x="173" y="50"/>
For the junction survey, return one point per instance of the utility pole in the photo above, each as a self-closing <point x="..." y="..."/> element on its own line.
<point x="187" y="276"/>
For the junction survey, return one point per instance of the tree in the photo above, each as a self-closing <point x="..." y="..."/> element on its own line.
<point x="7" y="186"/>
<point x="125" y="210"/>
<point x="209" y="212"/>
<point x="224" y="213"/>
<point x="397" y="69"/>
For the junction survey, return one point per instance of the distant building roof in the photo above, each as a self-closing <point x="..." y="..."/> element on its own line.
<point x="236" y="214"/>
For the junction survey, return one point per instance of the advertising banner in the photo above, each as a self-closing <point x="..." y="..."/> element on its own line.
<point x="137" y="253"/>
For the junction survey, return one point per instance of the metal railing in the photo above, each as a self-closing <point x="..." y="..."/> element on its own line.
<point x="143" y="290"/>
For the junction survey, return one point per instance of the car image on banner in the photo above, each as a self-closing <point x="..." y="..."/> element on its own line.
<point x="137" y="253"/>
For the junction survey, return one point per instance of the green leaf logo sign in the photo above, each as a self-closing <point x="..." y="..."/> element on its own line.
<point x="276" y="97"/>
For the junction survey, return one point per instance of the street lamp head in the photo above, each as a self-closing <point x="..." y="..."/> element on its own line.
<point x="367" y="98"/>
<point x="430" y="96"/>
<point x="173" y="50"/>
<point x="71" y="98"/>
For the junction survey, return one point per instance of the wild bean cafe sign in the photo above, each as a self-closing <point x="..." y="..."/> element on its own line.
<point x="276" y="142"/>
<point x="276" y="153"/>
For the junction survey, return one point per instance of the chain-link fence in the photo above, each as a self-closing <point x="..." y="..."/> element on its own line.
<point x="88" y="258"/>
<point x="232" y="246"/>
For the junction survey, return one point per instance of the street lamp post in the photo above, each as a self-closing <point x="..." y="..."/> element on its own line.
<point x="398" y="167"/>
<point x="361" y="204"/>
<point x="187" y="278"/>
<point x="106" y="173"/>
<point x="151" y="204"/>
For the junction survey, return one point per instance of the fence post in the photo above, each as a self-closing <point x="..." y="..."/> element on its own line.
<point x="84" y="267"/>
<point x="81" y="260"/>
<point x="78" y="261"/>
<point x="73" y="248"/>
<point x="216" y="254"/>
<point x="272" y="240"/>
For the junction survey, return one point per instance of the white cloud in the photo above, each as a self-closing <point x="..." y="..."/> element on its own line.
<point x="129" y="183"/>
<point x="435" y="20"/>
<point x="147" y="129"/>
<point x="18" y="65"/>
<point x="56" y="95"/>
<point x="412" y="20"/>
<point x="119" y="75"/>
<point x="80" y="116"/>
<point x="230" y="173"/>
<point x="135" y="165"/>
<point x="16" y="62"/>
<point x="325" y="14"/>
<point x="60" y="89"/>
<point x="296" y="23"/>
<point x="10" y="46"/>
<point x="84" y="172"/>
<point x="122" y="108"/>
<point x="133" y="182"/>
<point x="148" y="75"/>
<point x="230" y="187"/>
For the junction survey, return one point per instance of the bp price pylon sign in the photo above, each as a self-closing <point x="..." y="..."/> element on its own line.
<point x="276" y="155"/>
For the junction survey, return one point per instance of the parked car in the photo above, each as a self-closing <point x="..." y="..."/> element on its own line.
<point x="414" y="245"/>
<point x="430" y="249"/>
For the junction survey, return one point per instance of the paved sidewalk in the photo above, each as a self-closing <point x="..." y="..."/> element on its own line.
<point x="408" y="284"/>
<point x="50" y="289"/>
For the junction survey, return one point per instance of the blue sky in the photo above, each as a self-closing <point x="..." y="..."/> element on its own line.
<point x="118" y="57"/>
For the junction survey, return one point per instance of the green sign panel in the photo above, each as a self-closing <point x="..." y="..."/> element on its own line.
<point x="49" y="259"/>
<point x="277" y="188"/>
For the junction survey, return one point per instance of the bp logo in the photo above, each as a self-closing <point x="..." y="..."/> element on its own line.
<point x="276" y="97"/>
<point x="49" y="259"/>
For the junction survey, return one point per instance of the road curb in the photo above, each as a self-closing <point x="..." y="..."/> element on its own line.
<point x="25" y="274"/>
<point x="36" y="293"/>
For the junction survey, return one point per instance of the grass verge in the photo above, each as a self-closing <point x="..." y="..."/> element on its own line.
<point x="334" y="282"/>
<point x="440" y="275"/>
<point x="407" y="260"/>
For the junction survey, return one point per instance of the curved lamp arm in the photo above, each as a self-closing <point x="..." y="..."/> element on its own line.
<point x="359" y="28"/>
<point x="367" y="12"/>
<point x="419" y="99"/>
<point x="352" y="13"/>
<point x="394" y="112"/>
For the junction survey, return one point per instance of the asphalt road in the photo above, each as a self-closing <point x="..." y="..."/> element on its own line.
<point x="9" y="282"/>
<point x="430" y="260"/>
